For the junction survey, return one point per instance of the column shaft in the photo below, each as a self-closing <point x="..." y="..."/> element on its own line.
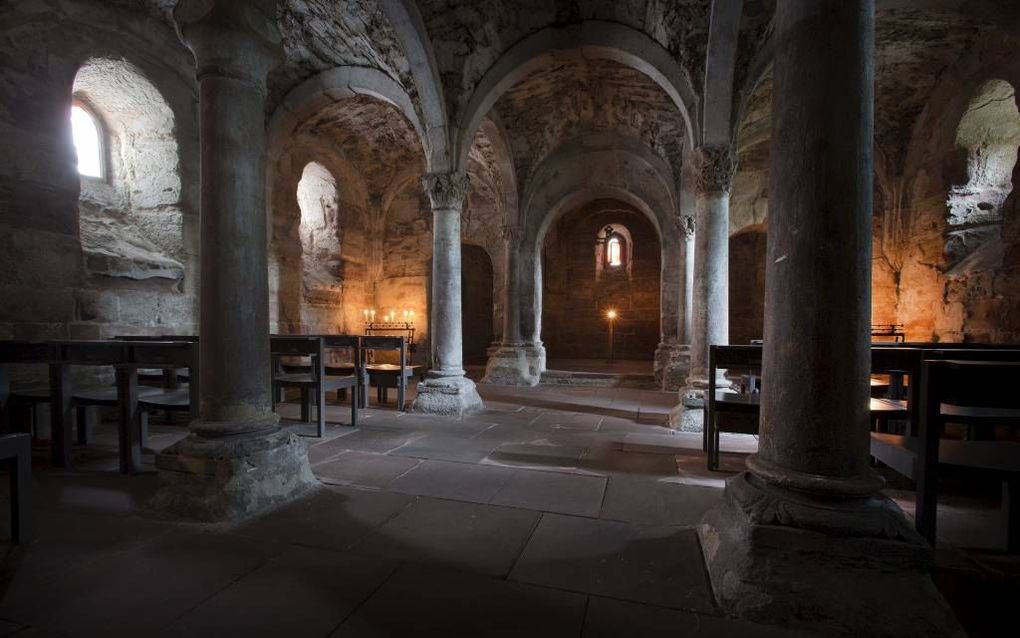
<point x="818" y="293"/>
<point x="512" y="290"/>
<point x="447" y="332"/>
<point x="234" y="315"/>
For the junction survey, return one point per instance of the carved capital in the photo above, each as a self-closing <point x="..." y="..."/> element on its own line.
<point x="685" y="223"/>
<point x="446" y="190"/>
<point x="714" y="167"/>
<point x="234" y="38"/>
<point x="511" y="233"/>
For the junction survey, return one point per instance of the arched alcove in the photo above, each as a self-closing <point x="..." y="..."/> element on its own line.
<point x="129" y="213"/>
<point x="321" y="240"/>
<point x="989" y="135"/>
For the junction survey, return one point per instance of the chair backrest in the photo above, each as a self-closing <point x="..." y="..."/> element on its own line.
<point x="296" y="346"/>
<point x="24" y="352"/>
<point x="736" y="357"/>
<point x="970" y="382"/>
<point x="380" y="342"/>
<point x="89" y="353"/>
<point x="907" y="360"/>
<point x="984" y="354"/>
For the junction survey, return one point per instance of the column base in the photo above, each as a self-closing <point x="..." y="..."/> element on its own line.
<point x="672" y="365"/>
<point x="509" y="365"/>
<point x="837" y="567"/>
<point x="228" y="479"/>
<point x="536" y="359"/>
<point x="686" y="419"/>
<point x="453" y="395"/>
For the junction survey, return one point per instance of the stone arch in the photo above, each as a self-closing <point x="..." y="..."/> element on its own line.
<point x="334" y="85"/>
<point x="407" y="22"/>
<point x="589" y="39"/>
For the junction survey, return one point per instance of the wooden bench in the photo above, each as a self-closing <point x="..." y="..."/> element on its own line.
<point x="971" y="391"/>
<point x="316" y="380"/>
<point x="743" y="409"/>
<point x="172" y="356"/>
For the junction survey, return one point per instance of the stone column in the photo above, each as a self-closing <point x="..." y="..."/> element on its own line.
<point x="509" y="364"/>
<point x="236" y="460"/>
<point x="805" y="537"/>
<point x="529" y="268"/>
<point x="687" y="221"/>
<point x="446" y="390"/>
<point x="671" y="355"/>
<point x="710" y="306"/>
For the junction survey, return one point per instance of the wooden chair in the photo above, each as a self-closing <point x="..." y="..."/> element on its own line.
<point x="316" y="380"/>
<point x="16" y="454"/>
<point x="388" y="375"/>
<point x="18" y="407"/>
<point x="980" y="393"/>
<point x="165" y="355"/>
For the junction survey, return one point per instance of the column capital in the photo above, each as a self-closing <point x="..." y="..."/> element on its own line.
<point x="232" y="38"/>
<point x="446" y="190"/>
<point x="511" y="233"/>
<point x="714" y="167"/>
<point x="685" y="224"/>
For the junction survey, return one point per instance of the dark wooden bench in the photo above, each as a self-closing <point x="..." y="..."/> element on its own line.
<point x="315" y="380"/>
<point x="727" y="411"/>
<point x="962" y="390"/>
<point x="172" y="356"/>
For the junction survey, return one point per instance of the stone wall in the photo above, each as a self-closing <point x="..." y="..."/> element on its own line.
<point x="747" y="284"/>
<point x="84" y="257"/>
<point x="574" y="303"/>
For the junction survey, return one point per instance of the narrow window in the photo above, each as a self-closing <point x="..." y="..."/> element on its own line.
<point x="615" y="252"/>
<point x="88" y="141"/>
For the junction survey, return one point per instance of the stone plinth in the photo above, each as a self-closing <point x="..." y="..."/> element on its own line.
<point x="452" y="396"/>
<point x="853" y="567"/>
<point x="229" y="479"/>
<point x="510" y="365"/>
<point x="672" y="365"/>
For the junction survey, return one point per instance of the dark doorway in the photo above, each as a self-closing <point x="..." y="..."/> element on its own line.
<point x="476" y="291"/>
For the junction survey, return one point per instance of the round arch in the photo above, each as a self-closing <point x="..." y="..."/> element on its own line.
<point x="593" y="39"/>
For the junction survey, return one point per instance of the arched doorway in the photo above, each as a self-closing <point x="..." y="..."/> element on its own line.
<point x="476" y="295"/>
<point x="604" y="255"/>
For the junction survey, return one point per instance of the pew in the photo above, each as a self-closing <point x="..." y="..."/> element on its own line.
<point x="316" y="380"/>
<point x="963" y="389"/>
<point x="18" y="407"/>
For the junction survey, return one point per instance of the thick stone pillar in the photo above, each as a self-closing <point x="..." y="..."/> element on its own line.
<point x="236" y="460"/>
<point x="672" y="355"/>
<point x="509" y="364"/>
<point x="710" y="322"/>
<point x="446" y="390"/>
<point x="805" y="537"/>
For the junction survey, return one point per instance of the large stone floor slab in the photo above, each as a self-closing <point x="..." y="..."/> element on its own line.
<point x="468" y="536"/>
<point x="553" y="492"/>
<point x="648" y="564"/>
<point x="426" y="602"/>
<point x="459" y="481"/>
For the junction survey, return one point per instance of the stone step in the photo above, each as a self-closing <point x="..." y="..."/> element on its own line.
<point x="599" y="379"/>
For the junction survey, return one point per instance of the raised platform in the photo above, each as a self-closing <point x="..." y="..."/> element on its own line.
<point x="599" y="373"/>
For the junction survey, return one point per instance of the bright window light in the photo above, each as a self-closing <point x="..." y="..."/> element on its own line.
<point x="87" y="142"/>
<point x="615" y="252"/>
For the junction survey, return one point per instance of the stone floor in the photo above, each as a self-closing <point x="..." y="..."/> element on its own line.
<point x="557" y="512"/>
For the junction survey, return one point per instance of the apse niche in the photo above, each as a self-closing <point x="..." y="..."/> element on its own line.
<point x="989" y="133"/>
<point x="129" y="206"/>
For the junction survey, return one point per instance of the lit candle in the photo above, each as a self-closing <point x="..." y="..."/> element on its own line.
<point x="366" y="314"/>
<point x="372" y="313"/>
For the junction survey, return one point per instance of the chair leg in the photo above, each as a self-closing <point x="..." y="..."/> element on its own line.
<point x="354" y="413"/>
<point x="320" y="399"/>
<point x="306" y="405"/>
<point x="143" y="425"/>
<point x="1011" y="494"/>
<point x="21" y="509"/>
<point x="85" y="423"/>
<point x="401" y="393"/>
